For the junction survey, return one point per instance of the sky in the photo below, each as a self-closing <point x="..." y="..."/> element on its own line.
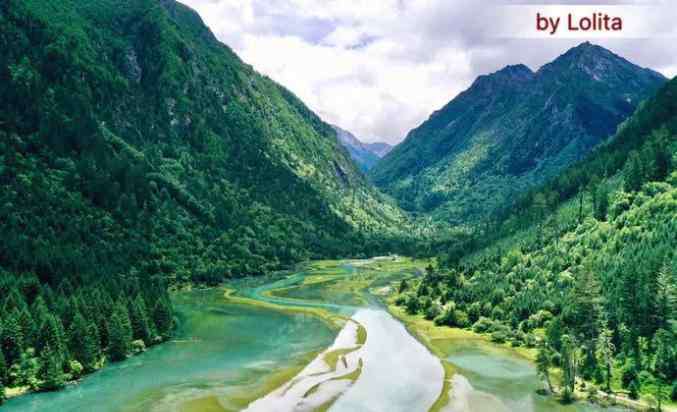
<point x="379" y="68"/>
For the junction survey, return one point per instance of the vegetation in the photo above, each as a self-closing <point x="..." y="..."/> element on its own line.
<point x="510" y="131"/>
<point x="137" y="151"/>
<point x="592" y="282"/>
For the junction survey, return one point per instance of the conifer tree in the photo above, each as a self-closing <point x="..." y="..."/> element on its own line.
<point x="52" y="371"/>
<point x="12" y="339"/>
<point x="569" y="363"/>
<point x="632" y="174"/>
<point x="162" y="316"/>
<point x="141" y="327"/>
<point x="605" y="351"/>
<point x="120" y="333"/>
<point x="84" y="342"/>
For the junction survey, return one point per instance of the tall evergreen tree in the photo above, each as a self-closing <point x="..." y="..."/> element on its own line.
<point x="138" y="316"/>
<point x="84" y="342"/>
<point x="569" y="364"/>
<point x="120" y="333"/>
<point x="12" y="339"/>
<point x="162" y="316"/>
<point x="605" y="351"/>
<point x="51" y="371"/>
<point x="633" y="174"/>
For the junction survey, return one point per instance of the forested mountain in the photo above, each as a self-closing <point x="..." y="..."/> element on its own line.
<point x="585" y="264"/>
<point x="137" y="150"/>
<point x="364" y="154"/>
<point x="511" y="130"/>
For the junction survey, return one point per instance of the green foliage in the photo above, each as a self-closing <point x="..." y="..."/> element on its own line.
<point x="52" y="371"/>
<point x="507" y="133"/>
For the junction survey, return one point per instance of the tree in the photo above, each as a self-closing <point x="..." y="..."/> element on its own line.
<point x="162" y="316"/>
<point x="51" y="371"/>
<point x="666" y="297"/>
<point x="84" y="342"/>
<point x="543" y="360"/>
<point x="12" y="339"/>
<point x="605" y="352"/>
<point x="4" y="369"/>
<point x="665" y="360"/>
<point x="52" y="334"/>
<point x="601" y="202"/>
<point x="141" y="327"/>
<point x="569" y="363"/>
<point x="633" y="174"/>
<point x="120" y="333"/>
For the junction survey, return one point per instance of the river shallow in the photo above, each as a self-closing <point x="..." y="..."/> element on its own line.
<point x="220" y="352"/>
<point x="225" y="354"/>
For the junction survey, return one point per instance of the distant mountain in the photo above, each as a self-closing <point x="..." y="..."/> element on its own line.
<point x="364" y="154"/>
<point x="380" y="149"/>
<point x="511" y="130"/>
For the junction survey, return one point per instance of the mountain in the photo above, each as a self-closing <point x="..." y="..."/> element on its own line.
<point x="380" y="149"/>
<point x="134" y="143"/>
<point x="364" y="154"/>
<point x="589" y="255"/>
<point x="511" y="130"/>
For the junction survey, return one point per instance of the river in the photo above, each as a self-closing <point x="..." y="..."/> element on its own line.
<point x="226" y="355"/>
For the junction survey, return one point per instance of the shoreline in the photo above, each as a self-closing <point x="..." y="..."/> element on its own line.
<point x="427" y="333"/>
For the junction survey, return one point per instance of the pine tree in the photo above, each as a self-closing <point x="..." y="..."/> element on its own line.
<point x="569" y="363"/>
<point x="633" y="174"/>
<point x="84" y="342"/>
<point x="52" y="334"/>
<point x="120" y="333"/>
<point x="605" y="351"/>
<point x="162" y="316"/>
<point x="52" y="371"/>
<point x="141" y="328"/>
<point x="666" y="298"/>
<point x="12" y="339"/>
<point x="601" y="199"/>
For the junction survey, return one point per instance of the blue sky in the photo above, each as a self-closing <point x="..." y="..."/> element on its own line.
<point x="380" y="67"/>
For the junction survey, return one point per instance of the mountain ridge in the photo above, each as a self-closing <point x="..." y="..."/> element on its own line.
<point x="366" y="155"/>
<point x="510" y="130"/>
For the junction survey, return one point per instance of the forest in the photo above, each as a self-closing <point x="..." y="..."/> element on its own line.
<point x="583" y="268"/>
<point x="140" y="155"/>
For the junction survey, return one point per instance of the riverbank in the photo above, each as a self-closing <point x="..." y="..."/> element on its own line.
<point x="439" y="338"/>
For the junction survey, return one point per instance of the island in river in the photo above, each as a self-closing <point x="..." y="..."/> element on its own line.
<point x="319" y="338"/>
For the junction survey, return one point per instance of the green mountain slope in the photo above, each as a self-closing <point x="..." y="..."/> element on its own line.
<point x="585" y="264"/>
<point x="132" y="140"/>
<point x="512" y="130"/>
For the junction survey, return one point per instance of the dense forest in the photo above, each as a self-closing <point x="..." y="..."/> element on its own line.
<point x="137" y="151"/>
<point x="583" y="267"/>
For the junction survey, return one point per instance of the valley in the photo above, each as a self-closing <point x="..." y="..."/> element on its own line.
<point x="250" y="347"/>
<point x="180" y="232"/>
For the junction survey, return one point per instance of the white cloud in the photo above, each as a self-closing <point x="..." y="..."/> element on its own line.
<point x="380" y="68"/>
